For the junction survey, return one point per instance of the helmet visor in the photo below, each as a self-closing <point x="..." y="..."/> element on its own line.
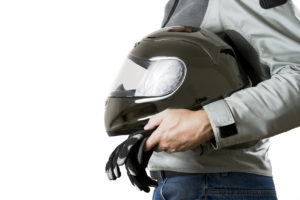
<point x="158" y="76"/>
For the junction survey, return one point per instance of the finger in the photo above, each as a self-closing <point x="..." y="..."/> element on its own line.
<point x="153" y="140"/>
<point x="154" y="121"/>
<point x="158" y="149"/>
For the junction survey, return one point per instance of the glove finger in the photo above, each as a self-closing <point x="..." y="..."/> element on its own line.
<point x="108" y="167"/>
<point x="132" y="172"/>
<point x="140" y="180"/>
<point x="143" y="157"/>
<point x="137" y="162"/>
<point x="128" y="145"/>
<point x="109" y="162"/>
<point x="147" y="180"/>
<point x="115" y="167"/>
<point x="141" y="150"/>
<point x="139" y="171"/>
<point x="132" y="163"/>
<point x="131" y="166"/>
<point x="112" y="169"/>
<point x="136" y="182"/>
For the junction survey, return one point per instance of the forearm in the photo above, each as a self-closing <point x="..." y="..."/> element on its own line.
<point x="270" y="108"/>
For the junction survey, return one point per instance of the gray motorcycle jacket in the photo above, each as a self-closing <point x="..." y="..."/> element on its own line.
<point x="266" y="33"/>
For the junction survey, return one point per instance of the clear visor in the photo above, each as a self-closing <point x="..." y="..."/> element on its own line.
<point x="159" y="76"/>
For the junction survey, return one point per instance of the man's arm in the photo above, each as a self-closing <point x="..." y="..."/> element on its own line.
<point x="270" y="108"/>
<point x="273" y="106"/>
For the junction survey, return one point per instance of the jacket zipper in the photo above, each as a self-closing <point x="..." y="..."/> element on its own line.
<point x="171" y="12"/>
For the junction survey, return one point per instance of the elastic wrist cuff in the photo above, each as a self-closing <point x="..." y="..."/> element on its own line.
<point x="222" y="122"/>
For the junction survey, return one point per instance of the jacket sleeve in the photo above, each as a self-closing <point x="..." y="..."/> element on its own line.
<point x="272" y="106"/>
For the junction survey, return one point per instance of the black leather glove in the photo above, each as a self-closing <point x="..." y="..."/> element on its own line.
<point x="136" y="164"/>
<point x="130" y="152"/>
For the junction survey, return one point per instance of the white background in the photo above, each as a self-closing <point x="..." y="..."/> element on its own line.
<point x="58" y="60"/>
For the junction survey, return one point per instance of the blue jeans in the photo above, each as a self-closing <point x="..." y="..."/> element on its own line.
<point x="216" y="186"/>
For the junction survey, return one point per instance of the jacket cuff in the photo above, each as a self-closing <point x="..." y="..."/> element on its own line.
<point x="222" y="123"/>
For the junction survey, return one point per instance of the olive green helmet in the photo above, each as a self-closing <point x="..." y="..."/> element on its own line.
<point x="174" y="67"/>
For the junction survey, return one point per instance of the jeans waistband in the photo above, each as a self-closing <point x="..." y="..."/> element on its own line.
<point x="159" y="175"/>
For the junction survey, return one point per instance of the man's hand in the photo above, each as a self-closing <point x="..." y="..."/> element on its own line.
<point x="178" y="130"/>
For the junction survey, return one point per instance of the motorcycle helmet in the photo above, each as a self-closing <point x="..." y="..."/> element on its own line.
<point x="174" y="67"/>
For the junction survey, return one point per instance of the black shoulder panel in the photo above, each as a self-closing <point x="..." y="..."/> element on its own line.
<point x="267" y="4"/>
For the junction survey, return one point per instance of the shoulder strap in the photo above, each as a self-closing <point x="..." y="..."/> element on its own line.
<point x="267" y="4"/>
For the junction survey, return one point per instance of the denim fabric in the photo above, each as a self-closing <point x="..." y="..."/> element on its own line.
<point x="216" y="186"/>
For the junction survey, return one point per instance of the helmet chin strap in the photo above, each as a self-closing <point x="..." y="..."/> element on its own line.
<point x="267" y="4"/>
